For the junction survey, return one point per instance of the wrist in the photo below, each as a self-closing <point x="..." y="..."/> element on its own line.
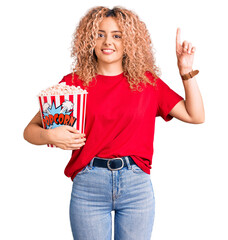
<point x="184" y="71"/>
<point x="46" y="136"/>
<point x="189" y="75"/>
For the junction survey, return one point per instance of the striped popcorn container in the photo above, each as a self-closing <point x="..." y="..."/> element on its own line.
<point x="67" y="109"/>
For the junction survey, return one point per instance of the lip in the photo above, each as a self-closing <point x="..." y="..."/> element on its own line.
<point x="107" y="51"/>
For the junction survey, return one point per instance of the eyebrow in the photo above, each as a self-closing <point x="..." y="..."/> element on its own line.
<point x="111" y="32"/>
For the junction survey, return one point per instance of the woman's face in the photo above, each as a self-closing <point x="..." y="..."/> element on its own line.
<point x="109" y="44"/>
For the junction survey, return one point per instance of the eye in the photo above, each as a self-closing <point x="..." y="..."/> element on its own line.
<point x="100" y="35"/>
<point x="117" y="36"/>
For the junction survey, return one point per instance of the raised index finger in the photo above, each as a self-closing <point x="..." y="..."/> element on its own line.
<point x="178" y="40"/>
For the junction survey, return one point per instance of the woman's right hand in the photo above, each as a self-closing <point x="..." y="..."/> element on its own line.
<point x="66" y="137"/>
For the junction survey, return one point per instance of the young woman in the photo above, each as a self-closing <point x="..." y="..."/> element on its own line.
<point x="110" y="166"/>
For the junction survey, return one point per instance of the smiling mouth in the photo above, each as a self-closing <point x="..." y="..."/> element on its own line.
<point x="107" y="51"/>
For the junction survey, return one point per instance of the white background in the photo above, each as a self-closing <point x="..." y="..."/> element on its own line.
<point x="190" y="161"/>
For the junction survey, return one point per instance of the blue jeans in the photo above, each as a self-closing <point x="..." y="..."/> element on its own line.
<point x="98" y="191"/>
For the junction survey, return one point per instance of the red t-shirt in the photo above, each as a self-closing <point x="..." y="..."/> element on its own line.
<point x="120" y="122"/>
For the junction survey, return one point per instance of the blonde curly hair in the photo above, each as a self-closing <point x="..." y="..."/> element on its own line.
<point x="138" y="55"/>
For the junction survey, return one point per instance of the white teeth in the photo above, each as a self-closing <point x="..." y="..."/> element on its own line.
<point x="107" y="51"/>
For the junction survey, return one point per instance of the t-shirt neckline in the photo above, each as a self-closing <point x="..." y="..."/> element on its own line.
<point x="108" y="76"/>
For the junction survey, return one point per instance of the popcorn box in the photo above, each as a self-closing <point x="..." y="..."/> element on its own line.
<point x="67" y="109"/>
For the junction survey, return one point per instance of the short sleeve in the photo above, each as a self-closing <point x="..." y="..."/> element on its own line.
<point x="63" y="80"/>
<point x="68" y="80"/>
<point x="166" y="100"/>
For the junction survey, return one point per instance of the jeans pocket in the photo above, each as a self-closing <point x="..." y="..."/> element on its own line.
<point x="137" y="169"/>
<point x="84" y="170"/>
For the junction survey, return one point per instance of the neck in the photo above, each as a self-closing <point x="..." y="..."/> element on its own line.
<point x="109" y="69"/>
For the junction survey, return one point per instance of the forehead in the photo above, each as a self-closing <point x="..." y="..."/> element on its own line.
<point x="110" y="24"/>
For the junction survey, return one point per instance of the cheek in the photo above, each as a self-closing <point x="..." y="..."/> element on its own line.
<point x="120" y="47"/>
<point x="96" y="49"/>
<point x="97" y="45"/>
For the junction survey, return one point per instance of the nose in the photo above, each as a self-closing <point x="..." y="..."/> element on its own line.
<point x="108" y="40"/>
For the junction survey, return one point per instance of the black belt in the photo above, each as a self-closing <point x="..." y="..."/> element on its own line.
<point x="112" y="163"/>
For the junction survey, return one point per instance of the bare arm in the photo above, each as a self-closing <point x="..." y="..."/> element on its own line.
<point x="191" y="110"/>
<point x="34" y="132"/>
<point x="64" y="137"/>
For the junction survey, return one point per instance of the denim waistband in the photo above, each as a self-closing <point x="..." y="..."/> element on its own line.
<point x="126" y="159"/>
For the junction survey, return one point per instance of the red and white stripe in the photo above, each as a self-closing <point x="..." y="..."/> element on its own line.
<point x="78" y="111"/>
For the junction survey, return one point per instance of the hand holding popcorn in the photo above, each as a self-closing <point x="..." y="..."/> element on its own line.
<point x="62" y="105"/>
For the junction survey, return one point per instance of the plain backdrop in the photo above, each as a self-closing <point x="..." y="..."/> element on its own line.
<point x="189" y="171"/>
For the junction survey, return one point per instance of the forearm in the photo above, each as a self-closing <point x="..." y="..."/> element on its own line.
<point x="193" y="101"/>
<point x="35" y="134"/>
<point x="191" y="110"/>
<point x="64" y="137"/>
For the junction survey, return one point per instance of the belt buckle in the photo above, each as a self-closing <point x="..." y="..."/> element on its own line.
<point x="115" y="168"/>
